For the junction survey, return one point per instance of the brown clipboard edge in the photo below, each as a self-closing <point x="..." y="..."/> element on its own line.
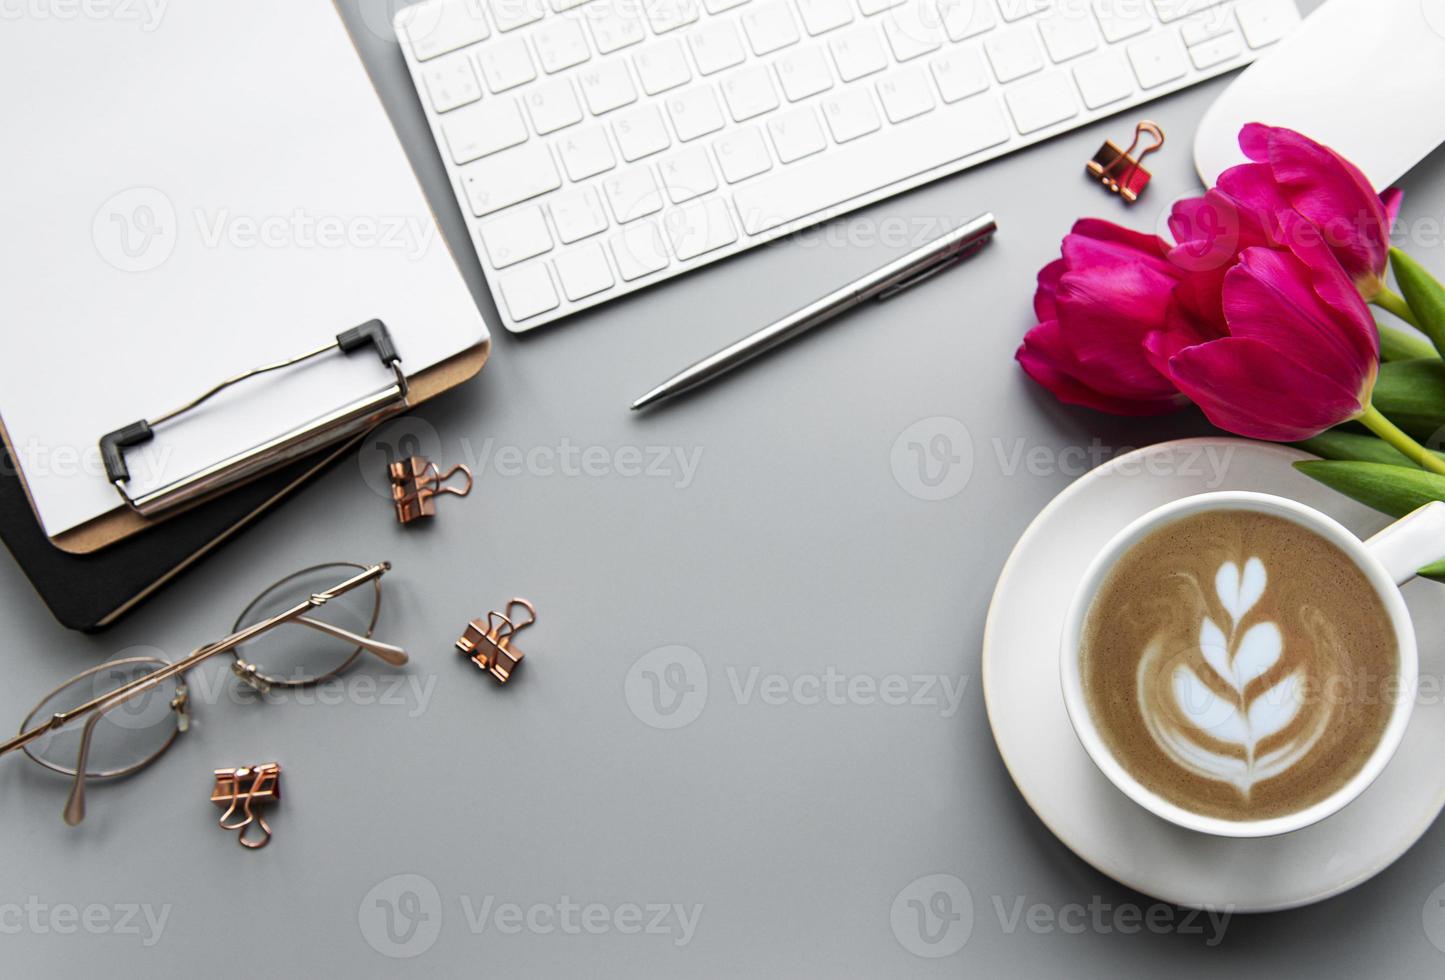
<point x="121" y="523"/>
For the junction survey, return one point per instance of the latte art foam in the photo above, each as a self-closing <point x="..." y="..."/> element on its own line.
<point x="1239" y="665"/>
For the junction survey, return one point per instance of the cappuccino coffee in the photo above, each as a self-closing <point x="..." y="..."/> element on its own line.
<point x="1239" y="665"/>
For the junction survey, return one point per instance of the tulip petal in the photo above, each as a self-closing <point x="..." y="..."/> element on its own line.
<point x="1045" y="306"/>
<point x="1391" y="201"/>
<point x="1245" y="387"/>
<point x="1336" y="197"/>
<point x="1270" y="296"/>
<point x="1148" y="246"/>
<point x="1047" y="359"/>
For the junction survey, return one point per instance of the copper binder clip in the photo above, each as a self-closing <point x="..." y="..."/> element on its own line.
<point x="416" y="483"/>
<point x="1120" y="170"/>
<point x="489" y="642"/>
<point x="247" y="789"/>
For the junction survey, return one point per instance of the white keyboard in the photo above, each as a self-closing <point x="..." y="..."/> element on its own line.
<point x="600" y="146"/>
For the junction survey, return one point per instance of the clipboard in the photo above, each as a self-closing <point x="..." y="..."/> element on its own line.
<point x="422" y="303"/>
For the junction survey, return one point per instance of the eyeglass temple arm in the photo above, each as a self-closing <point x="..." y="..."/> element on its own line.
<point x="393" y="655"/>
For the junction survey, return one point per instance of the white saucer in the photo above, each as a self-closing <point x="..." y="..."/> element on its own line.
<point x="1072" y="797"/>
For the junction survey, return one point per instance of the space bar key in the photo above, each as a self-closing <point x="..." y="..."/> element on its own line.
<point x="842" y="173"/>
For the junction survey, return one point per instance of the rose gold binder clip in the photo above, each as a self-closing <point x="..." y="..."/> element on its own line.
<point x="489" y="642"/>
<point x="247" y="789"/>
<point x="417" y="482"/>
<point x="1120" y="170"/>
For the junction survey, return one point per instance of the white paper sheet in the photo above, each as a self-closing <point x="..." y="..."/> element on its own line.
<point x="189" y="191"/>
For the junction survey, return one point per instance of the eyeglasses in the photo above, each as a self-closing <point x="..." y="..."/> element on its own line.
<point x="117" y="718"/>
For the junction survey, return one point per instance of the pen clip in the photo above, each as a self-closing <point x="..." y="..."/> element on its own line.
<point x="944" y="263"/>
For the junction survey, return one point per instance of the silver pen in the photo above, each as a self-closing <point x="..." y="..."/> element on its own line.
<point x="893" y="278"/>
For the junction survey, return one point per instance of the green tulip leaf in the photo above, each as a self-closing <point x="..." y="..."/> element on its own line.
<point x="1425" y="295"/>
<point x="1392" y="490"/>
<point x="1403" y="345"/>
<point x="1412" y="395"/>
<point x="1355" y="446"/>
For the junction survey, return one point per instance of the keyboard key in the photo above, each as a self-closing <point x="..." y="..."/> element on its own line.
<point x="1121" y="20"/>
<point x="700" y="228"/>
<point x="913" y="30"/>
<point x="694" y="113"/>
<point x="1103" y="79"/>
<point x="1217" y="51"/>
<point x="1067" y="35"/>
<point x="506" y="64"/>
<point x="583" y="271"/>
<point x="687" y="174"/>
<point x="966" y="18"/>
<point x="1266" y="21"/>
<point x="1207" y="26"/>
<point x="607" y="85"/>
<point x="749" y="92"/>
<point x="905" y="95"/>
<point x="615" y="26"/>
<point x="552" y="106"/>
<point x="1159" y="60"/>
<point x="512" y="14"/>
<point x="528" y="291"/>
<point x="639" y="251"/>
<point x="850" y="114"/>
<point x="1014" y="53"/>
<point x="770" y="27"/>
<point x="661" y="67"/>
<point x="451" y="82"/>
<point x="1019" y="9"/>
<point x="742" y="154"/>
<point x="858" y="52"/>
<point x="795" y="135"/>
<point x="479" y="130"/>
<point x="640" y="132"/>
<point x="586" y="153"/>
<point x="669" y="15"/>
<point x="716" y="46"/>
<point x="821" y="16"/>
<point x="515" y="236"/>
<point x="577" y="214"/>
<point x="804" y="72"/>
<point x="961" y="73"/>
<point x="1172" y="10"/>
<point x="437" y="27"/>
<point x="509" y="177"/>
<point x="846" y="172"/>
<point x="871" y="7"/>
<point x="632" y="194"/>
<point x="1042" y="102"/>
<point x="560" y="44"/>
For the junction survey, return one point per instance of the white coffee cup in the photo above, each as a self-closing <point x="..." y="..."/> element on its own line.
<point x="1388" y="560"/>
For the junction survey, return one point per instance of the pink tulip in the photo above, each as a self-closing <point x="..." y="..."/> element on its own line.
<point x="1301" y="354"/>
<point x="1096" y="306"/>
<point x="1290" y="173"/>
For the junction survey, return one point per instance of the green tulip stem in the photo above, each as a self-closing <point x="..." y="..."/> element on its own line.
<point x="1395" y="303"/>
<point x="1391" y="433"/>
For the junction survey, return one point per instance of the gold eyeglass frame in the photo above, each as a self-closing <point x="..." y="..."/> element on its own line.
<point x="97" y="707"/>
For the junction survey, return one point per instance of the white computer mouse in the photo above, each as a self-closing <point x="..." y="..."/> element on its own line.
<point x="1366" y="77"/>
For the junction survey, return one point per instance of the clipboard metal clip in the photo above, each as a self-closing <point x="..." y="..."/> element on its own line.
<point x="346" y="420"/>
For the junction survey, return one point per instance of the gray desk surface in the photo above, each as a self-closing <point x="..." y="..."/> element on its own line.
<point x="786" y="546"/>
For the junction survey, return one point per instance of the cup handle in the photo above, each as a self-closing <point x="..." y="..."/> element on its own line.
<point x="1415" y="540"/>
